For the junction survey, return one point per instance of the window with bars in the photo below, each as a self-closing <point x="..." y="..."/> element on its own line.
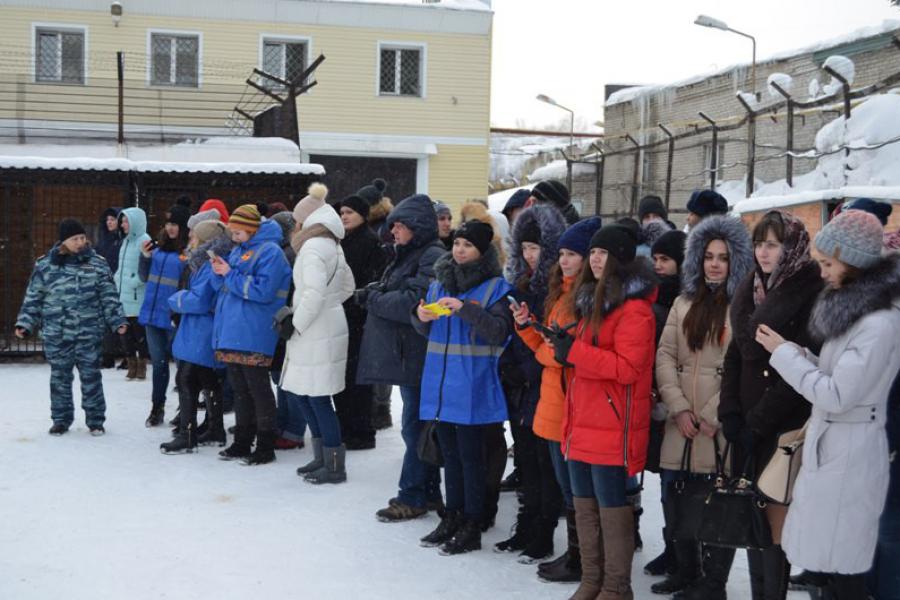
<point x="400" y="72"/>
<point x="174" y="60"/>
<point x="59" y="56"/>
<point x="284" y="59"/>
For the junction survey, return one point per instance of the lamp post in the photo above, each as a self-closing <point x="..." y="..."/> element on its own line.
<point x="706" y="21"/>
<point x="548" y="100"/>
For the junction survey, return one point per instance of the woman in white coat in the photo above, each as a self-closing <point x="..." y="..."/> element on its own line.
<point x="316" y="355"/>
<point x="832" y="524"/>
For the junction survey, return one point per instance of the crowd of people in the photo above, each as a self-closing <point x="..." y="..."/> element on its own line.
<point x="611" y="349"/>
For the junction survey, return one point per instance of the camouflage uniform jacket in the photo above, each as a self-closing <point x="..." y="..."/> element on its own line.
<point x="72" y="297"/>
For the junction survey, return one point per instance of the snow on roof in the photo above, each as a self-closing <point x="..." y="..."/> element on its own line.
<point x="473" y="5"/>
<point x="760" y="203"/>
<point x="214" y="155"/>
<point x="632" y="93"/>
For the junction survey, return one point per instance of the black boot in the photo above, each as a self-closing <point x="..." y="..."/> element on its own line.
<point x="156" y="417"/>
<point x="512" y="482"/>
<point x="215" y="431"/>
<point x="634" y="499"/>
<point x="444" y="531"/>
<point x="523" y="531"/>
<point x="466" y="539"/>
<point x="240" y="447"/>
<point x="265" y="449"/>
<point x="183" y="443"/>
<point x="688" y="557"/>
<point x="769" y="573"/>
<point x="566" y="568"/>
<point x="711" y="585"/>
<point x="541" y="544"/>
<point x="807" y="581"/>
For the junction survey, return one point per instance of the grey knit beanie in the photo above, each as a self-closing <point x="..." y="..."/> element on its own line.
<point x="853" y="237"/>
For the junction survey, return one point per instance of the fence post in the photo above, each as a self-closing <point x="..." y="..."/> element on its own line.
<point x="120" y="70"/>
<point x="635" y="174"/>
<point x="751" y="145"/>
<point x="670" y="156"/>
<point x="600" y="168"/>
<point x="789" y="157"/>
<point x="714" y="154"/>
<point x="845" y="90"/>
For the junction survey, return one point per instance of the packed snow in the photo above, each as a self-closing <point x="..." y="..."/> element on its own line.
<point x="111" y="517"/>
<point x="782" y="80"/>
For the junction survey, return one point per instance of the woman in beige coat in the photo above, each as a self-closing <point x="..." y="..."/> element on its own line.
<point x="689" y="375"/>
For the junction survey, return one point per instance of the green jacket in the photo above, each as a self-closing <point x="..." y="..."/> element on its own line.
<point x="71" y="297"/>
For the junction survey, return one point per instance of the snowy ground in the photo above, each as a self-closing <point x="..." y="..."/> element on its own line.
<point x="111" y="517"/>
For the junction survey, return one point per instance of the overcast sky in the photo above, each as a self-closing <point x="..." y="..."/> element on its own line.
<point x="569" y="49"/>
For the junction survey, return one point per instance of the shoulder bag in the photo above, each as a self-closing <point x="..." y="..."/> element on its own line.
<point x="776" y="482"/>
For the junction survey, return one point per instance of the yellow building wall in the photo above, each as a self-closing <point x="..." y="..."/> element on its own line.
<point x="457" y="174"/>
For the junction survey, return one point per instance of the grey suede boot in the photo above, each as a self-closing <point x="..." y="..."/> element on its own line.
<point x="334" y="470"/>
<point x="317" y="462"/>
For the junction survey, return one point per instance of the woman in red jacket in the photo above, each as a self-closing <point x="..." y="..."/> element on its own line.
<point x="607" y="421"/>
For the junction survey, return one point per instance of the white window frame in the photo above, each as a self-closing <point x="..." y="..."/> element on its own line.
<point x="423" y="66"/>
<point x="286" y="39"/>
<point x="62" y="28"/>
<point x="176" y="32"/>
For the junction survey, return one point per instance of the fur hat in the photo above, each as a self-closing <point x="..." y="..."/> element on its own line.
<point x="853" y="237"/>
<point x="245" y="217"/>
<point x="617" y="240"/>
<point x="477" y="232"/>
<point x="315" y="198"/>
<point x="552" y="191"/>
<point x="374" y="192"/>
<point x="577" y="237"/>
<point x="517" y="200"/>
<point x="207" y="230"/>
<point x="652" y="204"/>
<point x="204" y="215"/>
<point x="707" y="202"/>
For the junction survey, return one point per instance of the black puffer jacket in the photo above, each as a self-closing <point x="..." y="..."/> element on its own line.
<point x="108" y="242"/>
<point x="392" y="352"/>
<point x="367" y="259"/>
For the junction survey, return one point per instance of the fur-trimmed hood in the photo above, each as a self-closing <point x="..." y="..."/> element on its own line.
<point x="221" y="245"/>
<point x="457" y="278"/>
<point x="638" y="281"/>
<point x="734" y="233"/>
<point x="837" y="310"/>
<point x="380" y="211"/>
<point x="552" y="225"/>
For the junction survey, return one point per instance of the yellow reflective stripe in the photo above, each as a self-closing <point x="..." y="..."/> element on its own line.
<point x="464" y="349"/>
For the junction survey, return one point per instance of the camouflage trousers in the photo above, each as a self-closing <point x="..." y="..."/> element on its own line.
<point x="63" y="358"/>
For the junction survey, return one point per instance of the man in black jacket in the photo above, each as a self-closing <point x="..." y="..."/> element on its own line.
<point x="393" y="353"/>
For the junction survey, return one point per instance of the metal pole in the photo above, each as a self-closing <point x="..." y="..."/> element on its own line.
<point x="751" y="145"/>
<point x="789" y="158"/>
<point x="635" y="174"/>
<point x="120" y="71"/>
<point x="714" y="154"/>
<point x="601" y="168"/>
<point x="845" y="89"/>
<point x="670" y="155"/>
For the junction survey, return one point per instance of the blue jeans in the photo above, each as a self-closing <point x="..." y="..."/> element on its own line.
<point x="464" y="468"/>
<point x="419" y="482"/>
<point x="159" y="342"/>
<point x="290" y="419"/>
<point x="606" y="483"/>
<point x="320" y="417"/>
<point x="561" y="468"/>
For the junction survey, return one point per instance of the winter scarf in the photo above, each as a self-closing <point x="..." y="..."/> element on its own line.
<point x="457" y="278"/>
<point x="638" y="281"/>
<point x="552" y="225"/>
<point x="730" y="230"/>
<point x="836" y="310"/>
<point x="307" y="233"/>
<point x="794" y="257"/>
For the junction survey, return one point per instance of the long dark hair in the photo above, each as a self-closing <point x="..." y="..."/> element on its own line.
<point x="705" y="319"/>
<point x="610" y="283"/>
<point x="168" y="244"/>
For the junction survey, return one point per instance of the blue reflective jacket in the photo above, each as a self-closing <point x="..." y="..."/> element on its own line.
<point x="193" y="340"/>
<point x="251" y="293"/>
<point x="162" y="282"/>
<point x="460" y="377"/>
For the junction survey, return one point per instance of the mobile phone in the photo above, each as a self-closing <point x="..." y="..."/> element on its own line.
<point x="154" y="244"/>
<point x="212" y="255"/>
<point x="514" y="302"/>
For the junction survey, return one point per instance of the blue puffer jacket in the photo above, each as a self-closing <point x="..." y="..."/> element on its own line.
<point x="131" y="288"/>
<point x="252" y="292"/>
<point x="162" y="281"/>
<point x="196" y="304"/>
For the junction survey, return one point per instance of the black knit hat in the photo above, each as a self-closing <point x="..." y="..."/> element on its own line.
<point x="552" y="191"/>
<point x="178" y="214"/>
<point x="531" y="232"/>
<point x="480" y="234"/>
<point x="357" y="205"/>
<point x="69" y="228"/>
<point x="374" y="192"/>
<point x="652" y="204"/>
<point x="671" y="244"/>
<point x="631" y="225"/>
<point x="616" y="240"/>
<point x="707" y="202"/>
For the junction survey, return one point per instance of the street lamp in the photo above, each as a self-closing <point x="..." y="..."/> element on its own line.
<point x="706" y="21"/>
<point x="548" y="100"/>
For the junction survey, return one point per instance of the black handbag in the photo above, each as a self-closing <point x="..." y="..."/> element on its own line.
<point x="734" y="515"/>
<point x="283" y="322"/>
<point x="686" y="498"/>
<point x="428" y="448"/>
